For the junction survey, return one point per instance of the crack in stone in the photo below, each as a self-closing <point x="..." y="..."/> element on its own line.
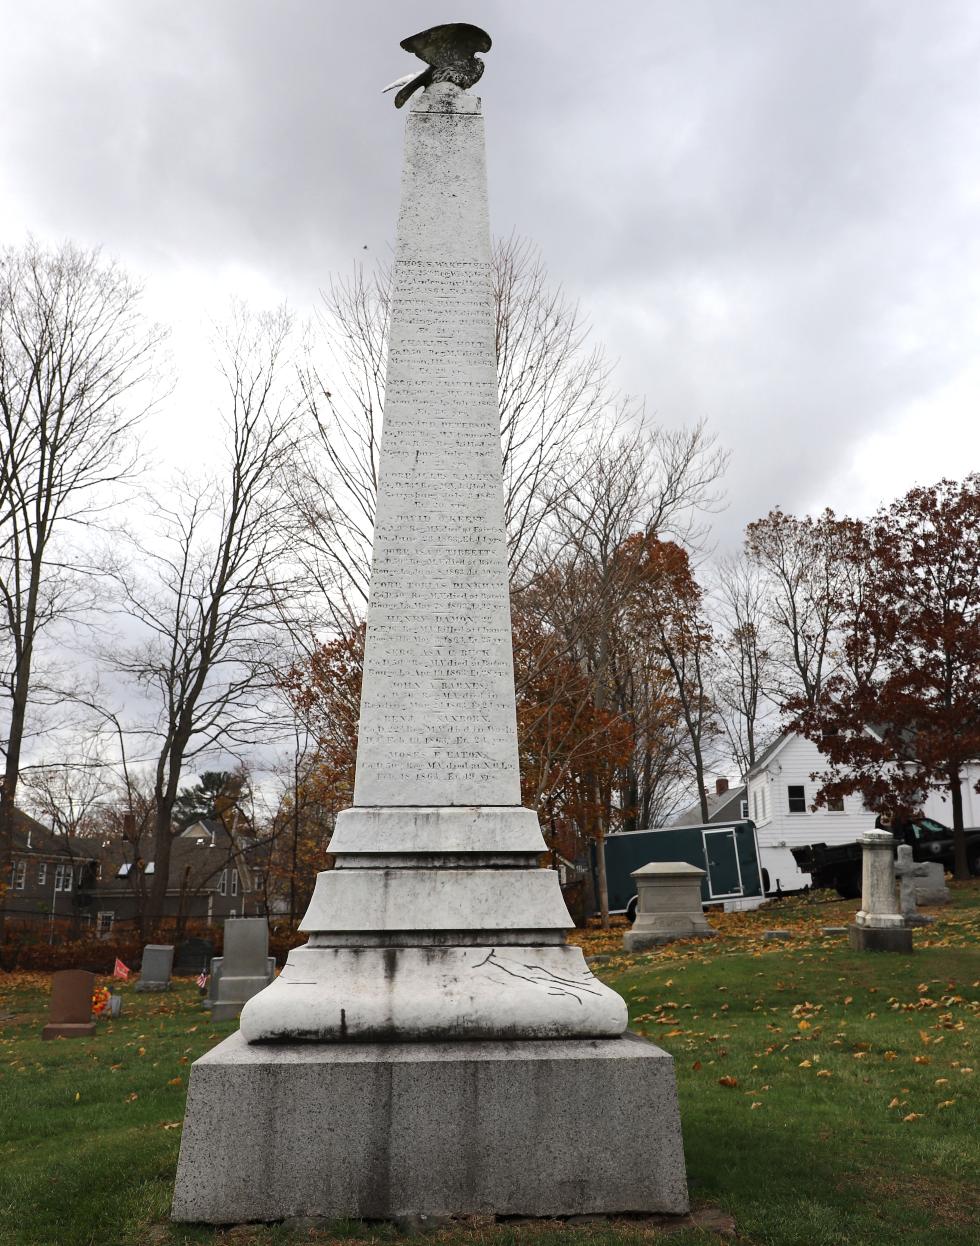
<point x="540" y="976"/>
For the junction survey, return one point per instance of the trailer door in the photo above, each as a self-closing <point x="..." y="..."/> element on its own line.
<point x="721" y="857"/>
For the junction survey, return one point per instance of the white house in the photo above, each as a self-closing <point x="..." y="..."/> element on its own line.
<point x="780" y="794"/>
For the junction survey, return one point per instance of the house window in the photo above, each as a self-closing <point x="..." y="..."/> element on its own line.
<point x="835" y="804"/>
<point x="743" y="808"/>
<point x="20" y="875"/>
<point x="103" y="924"/>
<point x="62" y="877"/>
<point x="797" y="798"/>
<point x="42" y="873"/>
<point x="234" y="882"/>
<point x="223" y="883"/>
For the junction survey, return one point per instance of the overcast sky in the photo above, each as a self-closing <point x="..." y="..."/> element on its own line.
<point x="769" y="209"/>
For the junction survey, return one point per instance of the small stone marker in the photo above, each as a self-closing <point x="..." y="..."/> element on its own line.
<point x="774" y="936"/>
<point x="906" y="871"/>
<point x="192" y="957"/>
<point x="878" y="925"/>
<point x="71" y="1005"/>
<point x="668" y="905"/>
<point x="158" y="959"/>
<point x="833" y="930"/>
<point x="930" y="884"/>
<point x="244" y="966"/>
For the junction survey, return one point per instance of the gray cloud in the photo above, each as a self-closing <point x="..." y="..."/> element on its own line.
<point x="768" y="208"/>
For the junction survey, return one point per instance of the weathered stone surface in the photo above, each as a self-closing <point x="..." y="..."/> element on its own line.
<point x="479" y="992"/>
<point x="402" y="1129"/>
<point x="879" y="904"/>
<point x="158" y="959"/>
<point x="880" y="938"/>
<point x="833" y="930"/>
<point x="777" y="936"/>
<point x="70" y="1010"/>
<point x="668" y="906"/>
<point x="438" y="724"/>
<point x="930" y="884"/>
<point x="244" y="965"/>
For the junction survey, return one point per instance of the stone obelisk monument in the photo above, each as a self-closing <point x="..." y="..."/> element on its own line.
<point x="435" y="1047"/>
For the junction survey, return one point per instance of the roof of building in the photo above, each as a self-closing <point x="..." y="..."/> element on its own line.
<point x="717" y="805"/>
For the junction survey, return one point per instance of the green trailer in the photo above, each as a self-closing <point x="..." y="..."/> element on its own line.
<point x="728" y="852"/>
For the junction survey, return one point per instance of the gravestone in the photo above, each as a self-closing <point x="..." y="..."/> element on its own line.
<point x="192" y="957"/>
<point x="70" y="1012"/>
<point x="668" y="906"/>
<point x="214" y="978"/>
<point x="158" y="959"/>
<point x="930" y="884"/>
<point x="907" y="870"/>
<point x="436" y="1047"/>
<point x="244" y="966"/>
<point x="878" y="925"/>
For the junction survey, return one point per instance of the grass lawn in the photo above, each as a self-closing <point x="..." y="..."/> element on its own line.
<point x="826" y="1096"/>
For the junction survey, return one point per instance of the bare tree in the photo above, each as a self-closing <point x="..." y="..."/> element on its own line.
<point x="75" y="359"/>
<point x="742" y="657"/>
<point x="212" y="578"/>
<point x="805" y="565"/>
<point x="634" y="487"/>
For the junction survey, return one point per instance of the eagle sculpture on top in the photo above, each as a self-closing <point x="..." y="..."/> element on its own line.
<point x="449" y="52"/>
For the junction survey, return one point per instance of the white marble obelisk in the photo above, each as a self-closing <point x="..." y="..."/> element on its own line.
<point x="435" y="1047"/>
<point x="438" y="921"/>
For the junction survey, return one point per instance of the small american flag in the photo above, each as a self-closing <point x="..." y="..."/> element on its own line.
<point x="120" y="970"/>
<point x="202" y="979"/>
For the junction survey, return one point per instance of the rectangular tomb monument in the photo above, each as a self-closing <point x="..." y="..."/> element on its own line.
<point x="435" y="1046"/>
<point x="70" y="1012"/>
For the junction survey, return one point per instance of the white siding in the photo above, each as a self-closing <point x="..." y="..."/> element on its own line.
<point x="779" y="831"/>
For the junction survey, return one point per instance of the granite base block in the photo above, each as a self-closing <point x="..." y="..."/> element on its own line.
<point x="387" y="1130"/>
<point x="880" y="939"/>
<point x="642" y="940"/>
<point x="68" y="1029"/>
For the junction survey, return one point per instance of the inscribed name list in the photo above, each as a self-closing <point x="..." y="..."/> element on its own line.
<point x="437" y="705"/>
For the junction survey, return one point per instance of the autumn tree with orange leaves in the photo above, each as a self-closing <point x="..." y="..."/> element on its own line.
<point x="901" y="715"/>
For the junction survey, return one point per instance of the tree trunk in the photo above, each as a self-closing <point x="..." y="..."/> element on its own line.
<point x="600" y="856"/>
<point x="961" y="867"/>
<point x="8" y="794"/>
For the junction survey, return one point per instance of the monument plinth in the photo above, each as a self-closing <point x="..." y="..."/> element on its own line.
<point x="438" y="923"/>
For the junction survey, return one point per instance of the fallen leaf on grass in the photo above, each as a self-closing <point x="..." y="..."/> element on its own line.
<point x="964" y="1069"/>
<point x="728" y="1081"/>
<point x="806" y="1064"/>
<point x="757" y="1104"/>
<point x="803" y="1025"/>
<point x="696" y="1065"/>
<point x="921" y="1060"/>
<point x="824" y="1073"/>
<point x="912" y="1116"/>
<point x="176" y="1081"/>
<point x="942" y="1081"/>
<point x="172" y="1125"/>
<point x="77" y="1096"/>
<point x="895" y="1103"/>
<point x="947" y="1103"/>
<point x="132" y="1097"/>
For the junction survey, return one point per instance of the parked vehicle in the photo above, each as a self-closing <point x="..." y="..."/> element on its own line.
<point x="726" y="851"/>
<point x="838" y="866"/>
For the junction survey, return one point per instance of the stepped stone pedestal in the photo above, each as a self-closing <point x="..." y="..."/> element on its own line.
<point x="878" y="925"/>
<point x="435" y="1046"/>
<point x="668" y="906"/>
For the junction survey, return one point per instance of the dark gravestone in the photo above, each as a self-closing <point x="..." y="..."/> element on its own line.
<point x="193" y="957"/>
<point x="71" y="1005"/>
